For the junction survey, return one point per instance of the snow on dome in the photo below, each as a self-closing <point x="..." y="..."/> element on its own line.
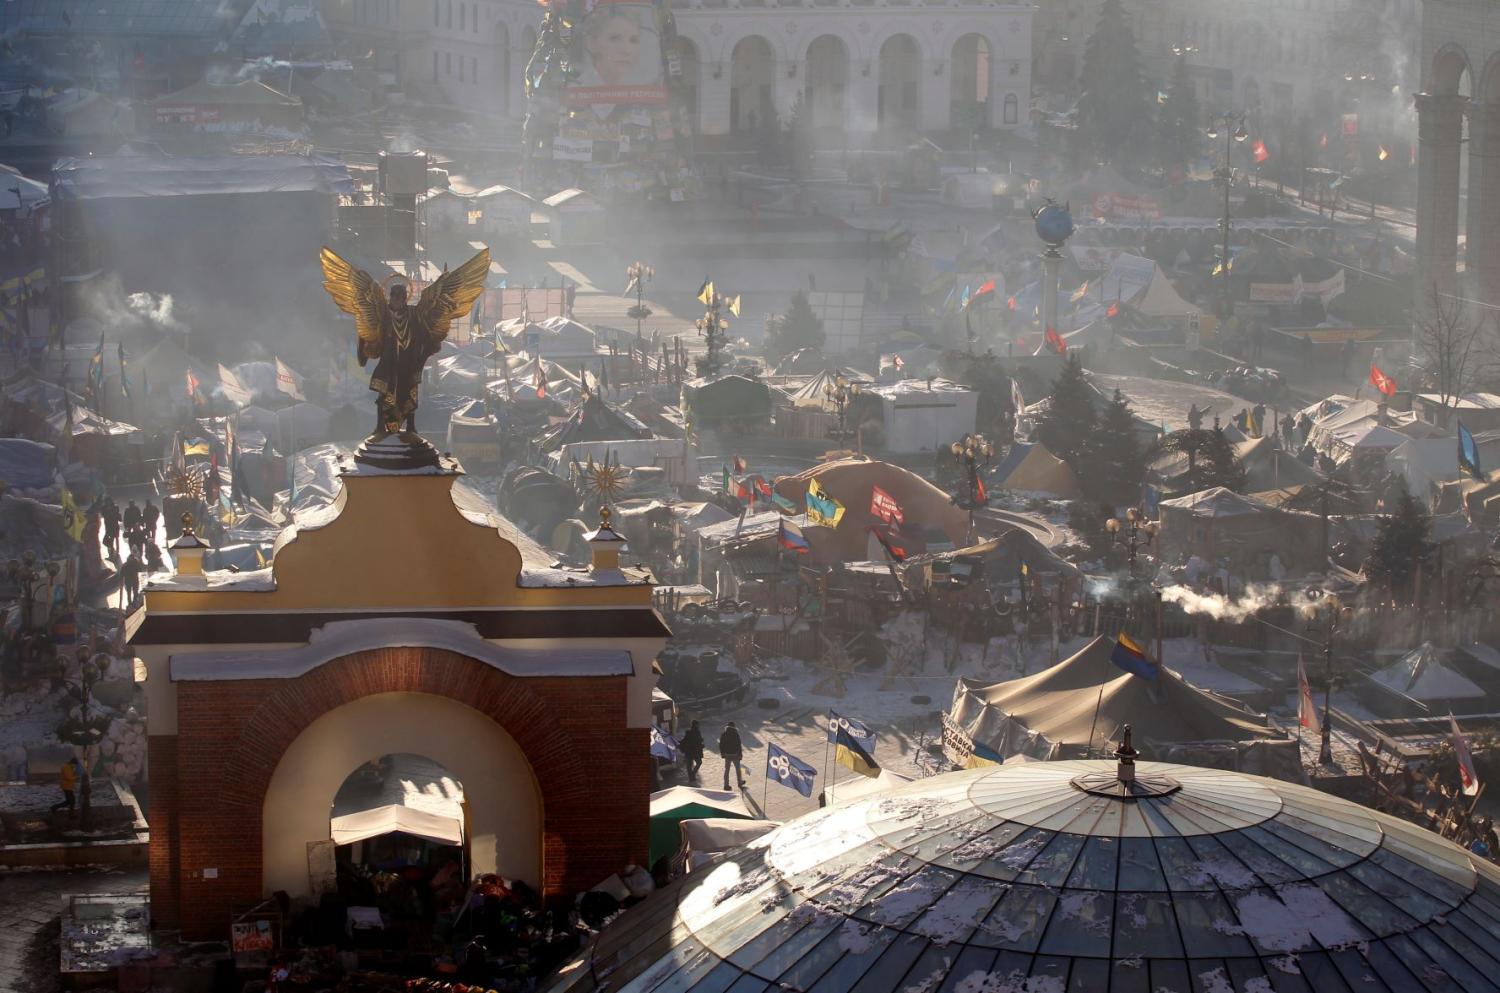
<point x="1016" y="880"/>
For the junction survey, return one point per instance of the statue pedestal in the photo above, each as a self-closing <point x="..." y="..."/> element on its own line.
<point x="403" y="451"/>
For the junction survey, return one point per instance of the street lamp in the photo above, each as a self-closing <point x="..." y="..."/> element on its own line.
<point x="638" y="274"/>
<point x="1233" y="126"/>
<point x="1336" y="614"/>
<point x="1132" y="532"/>
<point x="841" y="393"/>
<point x="83" y="730"/>
<point x="711" y="326"/>
<point x="973" y="452"/>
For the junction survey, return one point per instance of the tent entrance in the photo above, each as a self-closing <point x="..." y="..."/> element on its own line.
<point x="399" y="825"/>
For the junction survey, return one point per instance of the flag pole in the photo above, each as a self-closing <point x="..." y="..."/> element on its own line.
<point x="765" y="779"/>
<point x="1098" y="705"/>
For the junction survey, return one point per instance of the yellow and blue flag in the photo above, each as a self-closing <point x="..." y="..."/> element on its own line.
<point x="861" y="733"/>
<point x="981" y="756"/>
<point x="822" y="508"/>
<point x="787" y="769"/>
<point x="1130" y="656"/>
<point x="1468" y="453"/>
<point x="848" y="752"/>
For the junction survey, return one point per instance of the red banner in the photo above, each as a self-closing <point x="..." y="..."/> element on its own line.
<point x="885" y="507"/>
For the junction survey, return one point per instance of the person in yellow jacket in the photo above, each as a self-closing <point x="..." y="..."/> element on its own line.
<point x="67" y="780"/>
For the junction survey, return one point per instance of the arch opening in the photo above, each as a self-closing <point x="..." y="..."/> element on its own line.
<point x="900" y="90"/>
<point x="689" y="68"/>
<point x="501" y="797"/>
<point x="752" y="80"/>
<point x="969" y="83"/>
<point x="500" y="61"/>
<point x="827" y="81"/>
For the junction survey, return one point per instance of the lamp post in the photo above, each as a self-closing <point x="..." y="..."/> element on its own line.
<point x="841" y="393"/>
<point x="1132" y="532"/>
<point x="711" y="326"/>
<point x="83" y="730"/>
<point x="638" y="274"/>
<point x="1336" y="613"/>
<point x="973" y="452"/>
<point x="1233" y="126"/>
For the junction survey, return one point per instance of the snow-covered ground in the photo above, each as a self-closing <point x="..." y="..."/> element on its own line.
<point x="101" y="932"/>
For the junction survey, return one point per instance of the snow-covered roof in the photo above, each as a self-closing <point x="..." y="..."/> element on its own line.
<point x="1423" y="675"/>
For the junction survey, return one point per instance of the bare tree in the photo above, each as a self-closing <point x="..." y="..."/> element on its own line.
<point x="1452" y="348"/>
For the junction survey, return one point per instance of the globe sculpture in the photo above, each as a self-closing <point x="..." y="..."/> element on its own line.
<point x="1054" y="223"/>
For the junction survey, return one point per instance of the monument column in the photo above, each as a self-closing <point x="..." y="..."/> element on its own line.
<point x="1439" y="128"/>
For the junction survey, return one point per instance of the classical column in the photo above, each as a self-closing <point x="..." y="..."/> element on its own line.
<point x="1482" y="256"/>
<point x="1439" y="127"/>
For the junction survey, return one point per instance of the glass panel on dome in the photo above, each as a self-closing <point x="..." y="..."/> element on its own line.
<point x="1357" y="971"/>
<point x="926" y="974"/>
<point x="1312" y="844"/>
<point x="814" y="960"/>
<point x="1169" y="974"/>
<point x="1145" y="924"/>
<point x="750" y="984"/>
<point x="901" y="904"/>
<point x="1129" y="975"/>
<point x="1478" y="925"/>
<point x="1180" y="863"/>
<point x="1470" y="942"/>
<point x="1081" y="924"/>
<point x="719" y="979"/>
<point x="1265" y="865"/>
<point x="1347" y="837"/>
<point x="970" y="969"/>
<point x="939" y="838"/>
<point x="1439" y="887"/>
<point x="1078" y="817"/>
<point x="1048" y="973"/>
<point x="1051" y="867"/>
<point x="1209" y="927"/>
<point x="695" y="963"/>
<point x="1302" y="863"/>
<point x="1356" y="902"/>
<point x="1139" y="868"/>
<point x="885" y="973"/>
<point x="974" y="853"/>
<point x="862" y="945"/>
<point x="1451" y="962"/>
<point x="1418" y="963"/>
<point x="1095" y="868"/>
<point x="1017" y="922"/>
<point x="1009" y="861"/>
<point x="792" y="931"/>
<point x="1431" y="853"/>
<point x="1388" y="968"/>
<point x="953" y="918"/>
<point x="1321" y="974"/>
<point x="1089" y="976"/>
<point x="1404" y="893"/>
<point x="1221" y="865"/>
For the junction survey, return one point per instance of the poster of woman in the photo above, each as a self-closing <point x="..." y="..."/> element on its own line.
<point x="618" y="50"/>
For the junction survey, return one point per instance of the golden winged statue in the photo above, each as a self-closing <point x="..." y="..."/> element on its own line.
<point x="399" y="337"/>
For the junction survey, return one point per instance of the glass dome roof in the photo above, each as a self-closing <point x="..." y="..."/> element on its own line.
<point x="1040" y="878"/>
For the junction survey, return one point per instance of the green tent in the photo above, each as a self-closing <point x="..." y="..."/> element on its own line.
<point x="685" y="803"/>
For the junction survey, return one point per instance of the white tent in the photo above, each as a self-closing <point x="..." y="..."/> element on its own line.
<point x="857" y="789"/>
<point x="1424" y="462"/>
<point x="436" y="828"/>
<point x="1422" y="675"/>
<point x="1162" y="300"/>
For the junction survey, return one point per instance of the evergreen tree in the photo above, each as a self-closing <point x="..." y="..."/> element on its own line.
<point x="1210" y="461"/>
<point x="1114" y="473"/>
<point x="1401" y="547"/>
<point x="1115" y="107"/>
<point x="986" y="376"/>
<point x="798" y="328"/>
<point x="1180" y="136"/>
<point x="1068" y="426"/>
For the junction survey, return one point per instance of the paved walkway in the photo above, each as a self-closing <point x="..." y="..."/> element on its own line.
<point x="30" y="903"/>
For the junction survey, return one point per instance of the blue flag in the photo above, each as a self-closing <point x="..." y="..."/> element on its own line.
<point x="787" y="769"/>
<point x="1131" y="656"/>
<point x="663" y="745"/>
<point x="859" y="732"/>
<point x="1468" y="453"/>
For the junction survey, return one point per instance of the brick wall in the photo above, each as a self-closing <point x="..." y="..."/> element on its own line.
<point x="594" y="772"/>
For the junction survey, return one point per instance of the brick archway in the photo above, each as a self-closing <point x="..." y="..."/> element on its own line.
<point x="233" y="733"/>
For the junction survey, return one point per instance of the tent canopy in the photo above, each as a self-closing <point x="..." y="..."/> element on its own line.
<point x="1034" y="468"/>
<point x="1216" y="502"/>
<point x="1421" y="674"/>
<point x="1054" y="713"/>
<point x="670" y="807"/>
<point x="436" y="828"/>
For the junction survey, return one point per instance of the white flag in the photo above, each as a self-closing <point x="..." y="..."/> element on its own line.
<point x="1465" y="760"/>
<point x="234" y="390"/>
<point x="286" y="381"/>
<point x="1307" y="713"/>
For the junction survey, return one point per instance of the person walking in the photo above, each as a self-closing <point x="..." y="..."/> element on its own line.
<point x="150" y="518"/>
<point x="691" y="747"/>
<point x="731" y="750"/>
<point x="67" y="781"/>
<point x="110" y="513"/>
<point x="130" y="580"/>
<point x="132" y="522"/>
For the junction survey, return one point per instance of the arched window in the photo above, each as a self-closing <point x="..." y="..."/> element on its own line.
<point x="1012" y="109"/>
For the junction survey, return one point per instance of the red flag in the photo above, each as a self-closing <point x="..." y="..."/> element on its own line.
<point x="742" y="491"/>
<point x="1113" y="310"/>
<point x="1055" y="342"/>
<point x="1307" y="712"/>
<point x="1011" y="303"/>
<point x="192" y="385"/>
<point x="885" y="507"/>
<point x="988" y="286"/>
<point x="1381" y="381"/>
<point x="1466" y="772"/>
<point x="980" y="493"/>
<point x="763" y="488"/>
<point x="540" y="381"/>
<point x="1260" y="151"/>
<point x="889" y="540"/>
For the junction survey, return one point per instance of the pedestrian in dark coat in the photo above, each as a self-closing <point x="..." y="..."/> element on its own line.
<point x="692" y="746"/>
<point x="132" y="523"/>
<point x="731" y="750"/>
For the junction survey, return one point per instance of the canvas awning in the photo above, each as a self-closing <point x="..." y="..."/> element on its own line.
<point x="1422" y="675"/>
<point x="348" y="829"/>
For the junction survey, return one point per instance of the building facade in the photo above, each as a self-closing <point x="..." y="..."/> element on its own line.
<point x="856" y="67"/>
<point x="407" y="621"/>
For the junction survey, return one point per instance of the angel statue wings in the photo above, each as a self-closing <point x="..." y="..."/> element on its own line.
<point x="401" y="337"/>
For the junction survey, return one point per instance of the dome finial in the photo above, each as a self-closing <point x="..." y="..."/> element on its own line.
<point x="1126" y="754"/>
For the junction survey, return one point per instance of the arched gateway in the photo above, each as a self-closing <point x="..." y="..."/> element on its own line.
<point x="407" y="620"/>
